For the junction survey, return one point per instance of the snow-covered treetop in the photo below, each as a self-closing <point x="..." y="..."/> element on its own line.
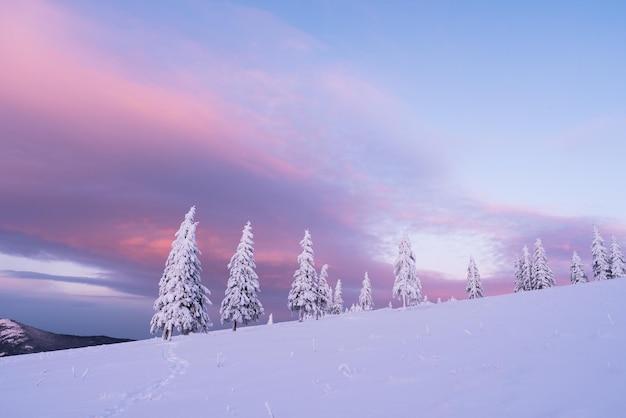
<point x="307" y="254"/>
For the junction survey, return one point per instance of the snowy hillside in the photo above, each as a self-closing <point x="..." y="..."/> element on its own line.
<point x="557" y="352"/>
<point x="17" y="338"/>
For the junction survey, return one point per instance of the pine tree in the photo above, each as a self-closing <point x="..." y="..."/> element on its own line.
<point x="474" y="286"/>
<point x="407" y="286"/>
<point x="302" y="295"/>
<point x="518" y="284"/>
<point x="240" y="303"/>
<point x="337" y="299"/>
<point x="365" y="297"/>
<point x="599" y="258"/>
<point x="543" y="276"/>
<point x="577" y="271"/>
<point x="324" y="292"/>
<point x="617" y="266"/>
<point x="527" y="270"/>
<point x="182" y="300"/>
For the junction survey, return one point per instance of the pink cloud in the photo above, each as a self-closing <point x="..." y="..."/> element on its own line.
<point x="48" y="74"/>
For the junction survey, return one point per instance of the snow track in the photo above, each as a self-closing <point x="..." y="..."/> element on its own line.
<point x="177" y="367"/>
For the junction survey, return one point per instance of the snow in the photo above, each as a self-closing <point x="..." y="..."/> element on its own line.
<point x="554" y="352"/>
<point x="10" y="332"/>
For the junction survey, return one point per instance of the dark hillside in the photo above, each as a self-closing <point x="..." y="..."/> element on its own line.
<point x="16" y="338"/>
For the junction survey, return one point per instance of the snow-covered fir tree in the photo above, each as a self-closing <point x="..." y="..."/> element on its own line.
<point x="474" y="285"/>
<point x="518" y="284"/>
<point x="617" y="266"/>
<point x="543" y="276"/>
<point x="599" y="257"/>
<point x="324" y="292"/>
<point x="365" y="297"/>
<point x="407" y="286"/>
<point x="241" y="303"/>
<point x="302" y="295"/>
<point x="527" y="270"/>
<point x="337" y="299"/>
<point x="182" y="300"/>
<point x="577" y="270"/>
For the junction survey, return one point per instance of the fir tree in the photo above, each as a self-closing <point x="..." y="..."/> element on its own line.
<point x="302" y="296"/>
<point x="526" y="270"/>
<point x="518" y="284"/>
<point x="240" y="303"/>
<point x="365" y="297"/>
<point x="474" y="286"/>
<point x="337" y="299"/>
<point x="324" y="292"/>
<point x="543" y="276"/>
<point x="599" y="258"/>
<point x="407" y="286"/>
<point x="617" y="266"/>
<point x="182" y="300"/>
<point x="577" y="271"/>
<point x="355" y="308"/>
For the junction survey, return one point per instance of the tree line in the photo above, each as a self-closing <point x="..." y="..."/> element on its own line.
<point x="183" y="301"/>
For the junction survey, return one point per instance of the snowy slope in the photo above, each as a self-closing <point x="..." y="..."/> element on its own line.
<point x="552" y="353"/>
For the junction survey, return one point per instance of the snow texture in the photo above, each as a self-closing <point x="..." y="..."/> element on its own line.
<point x="182" y="300"/>
<point x="518" y="355"/>
<point x="241" y="304"/>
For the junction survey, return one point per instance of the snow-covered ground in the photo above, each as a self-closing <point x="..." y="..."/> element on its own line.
<point x="559" y="352"/>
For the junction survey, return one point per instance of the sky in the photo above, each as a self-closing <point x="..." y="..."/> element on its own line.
<point x="475" y="128"/>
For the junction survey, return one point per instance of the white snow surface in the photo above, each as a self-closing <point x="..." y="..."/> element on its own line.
<point x="557" y="352"/>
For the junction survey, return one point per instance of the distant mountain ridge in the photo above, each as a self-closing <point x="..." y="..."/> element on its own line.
<point x="17" y="338"/>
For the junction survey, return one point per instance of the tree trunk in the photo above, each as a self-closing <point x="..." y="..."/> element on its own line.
<point x="235" y="325"/>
